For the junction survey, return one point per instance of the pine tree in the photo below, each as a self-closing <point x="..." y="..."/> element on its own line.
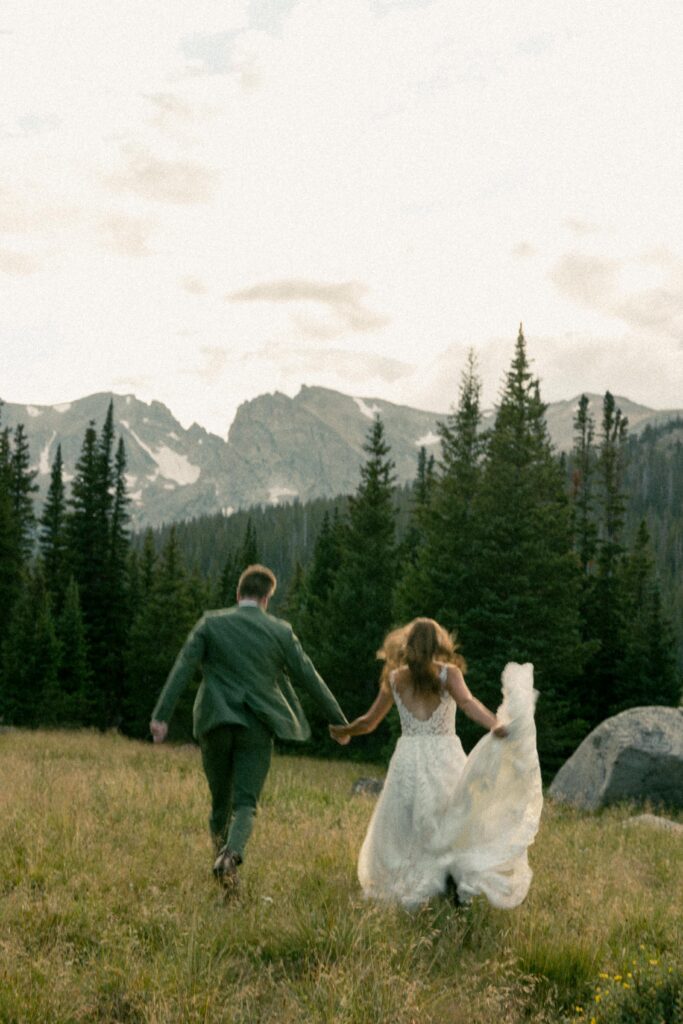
<point x="53" y="536"/>
<point x="75" y="677"/>
<point x="118" y="597"/>
<point x="296" y="597"/>
<point x="585" y="530"/>
<point x="646" y="670"/>
<point x="88" y="533"/>
<point x="527" y="577"/>
<point x="31" y="658"/>
<point x="228" y="580"/>
<point x="438" y="581"/>
<point x="421" y="495"/>
<point x="98" y="541"/>
<point x="249" y="553"/>
<point x="605" y="611"/>
<point x="611" y="464"/>
<point x="105" y="467"/>
<point x="10" y="544"/>
<point x="359" y="610"/>
<point x="664" y="671"/>
<point x="237" y="561"/>
<point x="23" y="486"/>
<point x="156" y="636"/>
<point x="318" y="583"/>
<point x="147" y="565"/>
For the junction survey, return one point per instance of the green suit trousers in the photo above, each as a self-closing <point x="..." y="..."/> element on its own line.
<point x="236" y="760"/>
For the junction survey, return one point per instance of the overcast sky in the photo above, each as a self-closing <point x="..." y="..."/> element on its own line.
<point x="202" y="201"/>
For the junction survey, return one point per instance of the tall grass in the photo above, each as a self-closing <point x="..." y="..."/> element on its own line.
<point x="109" y="913"/>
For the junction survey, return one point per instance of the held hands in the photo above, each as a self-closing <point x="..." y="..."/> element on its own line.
<point x="159" y="730"/>
<point x="501" y="731"/>
<point x="338" y="733"/>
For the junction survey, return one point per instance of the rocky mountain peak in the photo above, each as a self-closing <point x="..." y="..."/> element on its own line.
<point x="278" y="448"/>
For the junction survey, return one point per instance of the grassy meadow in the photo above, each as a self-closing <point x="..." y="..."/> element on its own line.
<point x="109" y="913"/>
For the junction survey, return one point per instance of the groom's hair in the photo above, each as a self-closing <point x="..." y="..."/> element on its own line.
<point x="257" y="581"/>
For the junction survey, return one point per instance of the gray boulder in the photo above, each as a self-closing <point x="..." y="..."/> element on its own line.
<point x="637" y="755"/>
<point x="654" y="821"/>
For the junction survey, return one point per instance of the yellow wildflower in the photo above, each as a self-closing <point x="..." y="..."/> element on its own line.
<point x="617" y="977"/>
<point x="603" y="975"/>
<point x="653" y="962"/>
<point x="598" y="998"/>
<point x="626" y="985"/>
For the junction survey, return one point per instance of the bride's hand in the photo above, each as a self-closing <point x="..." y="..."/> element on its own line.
<point x="501" y="731"/>
<point x="337" y="733"/>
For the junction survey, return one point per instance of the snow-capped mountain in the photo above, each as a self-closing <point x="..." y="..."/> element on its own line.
<point x="278" y="448"/>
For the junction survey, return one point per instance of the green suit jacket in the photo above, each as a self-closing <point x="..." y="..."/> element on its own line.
<point x="248" y="658"/>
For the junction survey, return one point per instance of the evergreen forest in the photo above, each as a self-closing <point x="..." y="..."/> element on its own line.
<point x="573" y="562"/>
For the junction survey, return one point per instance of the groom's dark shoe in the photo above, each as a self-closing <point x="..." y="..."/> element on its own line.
<point x="225" y="871"/>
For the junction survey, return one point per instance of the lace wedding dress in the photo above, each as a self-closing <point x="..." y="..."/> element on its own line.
<point x="443" y="813"/>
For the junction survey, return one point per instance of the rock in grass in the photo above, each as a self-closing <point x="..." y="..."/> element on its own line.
<point x="656" y="821"/>
<point x="636" y="755"/>
<point x="367" y="785"/>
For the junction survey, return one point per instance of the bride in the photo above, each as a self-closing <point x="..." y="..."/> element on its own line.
<point x="445" y="820"/>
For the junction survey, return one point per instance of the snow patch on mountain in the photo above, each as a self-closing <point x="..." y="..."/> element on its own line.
<point x="277" y="494"/>
<point x="32" y="411"/>
<point x="171" y="465"/>
<point x="44" y="460"/>
<point x="62" y="407"/>
<point x="368" y="410"/>
<point x="427" y="439"/>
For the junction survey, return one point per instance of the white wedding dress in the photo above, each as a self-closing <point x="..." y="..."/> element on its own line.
<point x="443" y="813"/>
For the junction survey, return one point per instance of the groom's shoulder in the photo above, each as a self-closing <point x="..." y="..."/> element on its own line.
<point x="280" y="625"/>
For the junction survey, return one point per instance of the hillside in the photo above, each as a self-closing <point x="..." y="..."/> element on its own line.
<point x="277" y="449"/>
<point x="110" y="913"/>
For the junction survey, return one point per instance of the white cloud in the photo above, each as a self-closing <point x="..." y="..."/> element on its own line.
<point x="607" y="285"/>
<point x="127" y="236"/>
<point x="19" y="264"/>
<point x="343" y="300"/>
<point x="169" y="181"/>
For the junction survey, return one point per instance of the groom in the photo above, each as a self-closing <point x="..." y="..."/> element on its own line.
<point x="245" y="698"/>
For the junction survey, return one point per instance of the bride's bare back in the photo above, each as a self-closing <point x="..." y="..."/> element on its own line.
<point x="421" y="705"/>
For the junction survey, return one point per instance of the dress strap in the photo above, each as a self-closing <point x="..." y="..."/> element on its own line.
<point x="443" y="675"/>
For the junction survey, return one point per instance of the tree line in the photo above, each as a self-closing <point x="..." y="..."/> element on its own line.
<point x="521" y="553"/>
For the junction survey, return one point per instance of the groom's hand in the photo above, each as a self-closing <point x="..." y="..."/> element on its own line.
<point x="337" y="733"/>
<point x="159" y="730"/>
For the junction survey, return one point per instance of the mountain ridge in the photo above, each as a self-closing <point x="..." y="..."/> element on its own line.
<point x="277" y="448"/>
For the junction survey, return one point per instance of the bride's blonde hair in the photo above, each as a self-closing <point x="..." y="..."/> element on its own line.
<point x="418" y="645"/>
